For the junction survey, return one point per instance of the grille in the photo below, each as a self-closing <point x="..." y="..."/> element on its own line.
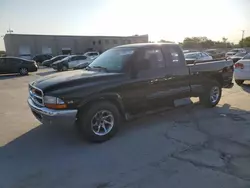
<point x="36" y="95"/>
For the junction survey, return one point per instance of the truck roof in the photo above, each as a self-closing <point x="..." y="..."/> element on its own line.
<point x="142" y="45"/>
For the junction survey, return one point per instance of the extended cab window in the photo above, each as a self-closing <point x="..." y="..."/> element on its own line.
<point x="174" y="55"/>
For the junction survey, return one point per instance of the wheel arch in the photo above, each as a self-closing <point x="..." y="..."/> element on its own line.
<point x="113" y="98"/>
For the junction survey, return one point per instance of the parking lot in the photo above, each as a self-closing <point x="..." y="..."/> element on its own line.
<point x="190" y="146"/>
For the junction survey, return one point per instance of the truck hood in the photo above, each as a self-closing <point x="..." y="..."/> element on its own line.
<point x="70" y="78"/>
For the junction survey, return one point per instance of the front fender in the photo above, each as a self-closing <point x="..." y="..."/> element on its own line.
<point x="112" y="97"/>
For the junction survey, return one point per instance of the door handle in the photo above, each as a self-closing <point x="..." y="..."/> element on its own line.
<point x="154" y="81"/>
<point x="195" y="73"/>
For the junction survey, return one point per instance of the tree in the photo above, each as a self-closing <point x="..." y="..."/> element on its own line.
<point x="245" y="42"/>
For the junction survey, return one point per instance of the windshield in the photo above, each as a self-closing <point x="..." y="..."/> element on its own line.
<point x="240" y="54"/>
<point x="66" y="58"/>
<point x="247" y="56"/>
<point x="113" y="60"/>
<point x="190" y="55"/>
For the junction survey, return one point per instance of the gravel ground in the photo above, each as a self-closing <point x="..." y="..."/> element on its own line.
<point x="187" y="147"/>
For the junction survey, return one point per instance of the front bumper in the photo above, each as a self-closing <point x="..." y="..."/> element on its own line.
<point x="50" y="116"/>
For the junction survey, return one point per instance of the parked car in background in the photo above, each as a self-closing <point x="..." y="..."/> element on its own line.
<point x="81" y="65"/>
<point x="92" y="55"/>
<point x="70" y="62"/>
<point x="242" y="70"/>
<point x="235" y="51"/>
<point x="42" y="57"/>
<point x="17" y="65"/>
<point x="237" y="56"/>
<point x="48" y="62"/>
<point x="189" y="51"/>
<point x="195" y="57"/>
<point x="216" y="54"/>
<point x="123" y="83"/>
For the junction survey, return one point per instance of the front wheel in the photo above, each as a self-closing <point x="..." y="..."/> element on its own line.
<point x="239" y="82"/>
<point x="99" y="122"/>
<point x="212" y="95"/>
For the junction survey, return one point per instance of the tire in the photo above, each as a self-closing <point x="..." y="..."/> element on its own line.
<point x="239" y="82"/>
<point x="212" y="95"/>
<point x="23" y="71"/>
<point x="93" y="117"/>
<point x="64" y="68"/>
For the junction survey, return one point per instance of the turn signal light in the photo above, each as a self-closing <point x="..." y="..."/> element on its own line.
<point x="56" y="106"/>
<point x="239" y="66"/>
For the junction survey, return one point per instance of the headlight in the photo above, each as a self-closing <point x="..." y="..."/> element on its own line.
<point x="54" y="102"/>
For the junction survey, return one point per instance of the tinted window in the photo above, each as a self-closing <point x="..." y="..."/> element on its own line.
<point x="175" y="58"/>
<point x="154" y="57"/>
<point x="13" y="61"/>
<point x="115" y="41"/>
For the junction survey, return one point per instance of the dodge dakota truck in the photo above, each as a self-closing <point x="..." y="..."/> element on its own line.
<point x="122" y="83"/>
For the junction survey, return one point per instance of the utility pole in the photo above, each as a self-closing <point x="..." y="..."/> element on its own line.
<point x="242" y="38"/>
<point x="9" y="30"/>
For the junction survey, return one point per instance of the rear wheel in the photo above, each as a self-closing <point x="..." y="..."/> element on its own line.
<point x="64" y="68"/>
<point x="239" y="82"/>
<point x="99" y="122"/>
<point x="23" y="71"/>
<point x="212" y="95"/>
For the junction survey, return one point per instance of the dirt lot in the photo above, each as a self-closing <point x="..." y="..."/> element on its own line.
<point x="186" y="147"/>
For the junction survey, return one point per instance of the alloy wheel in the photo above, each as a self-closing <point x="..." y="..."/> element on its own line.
<point x="102" y="122"/>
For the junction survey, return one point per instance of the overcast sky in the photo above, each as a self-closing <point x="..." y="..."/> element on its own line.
<point x="161" y="19"/>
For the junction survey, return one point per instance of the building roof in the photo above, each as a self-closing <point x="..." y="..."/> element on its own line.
<point x="139" y="45"/>
<point x="42" y="35"/>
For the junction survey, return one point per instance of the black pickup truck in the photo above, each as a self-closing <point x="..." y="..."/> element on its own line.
<point x="123" y="82"/>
